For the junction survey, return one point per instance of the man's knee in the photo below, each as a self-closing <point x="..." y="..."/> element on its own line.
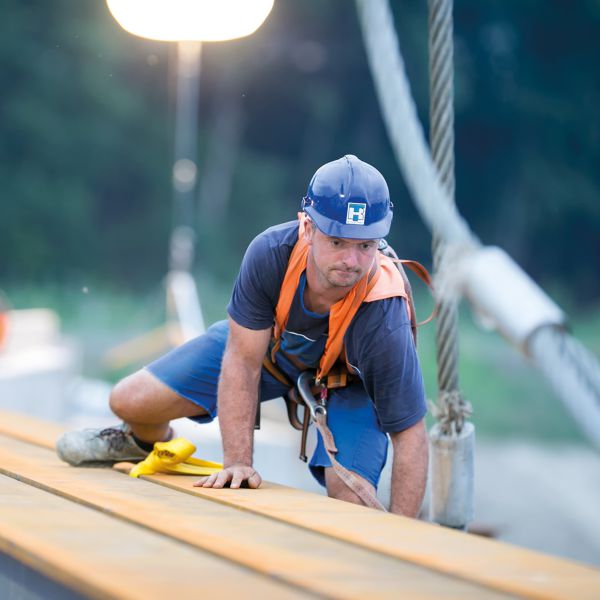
<point x="127" y="398"/>
<point x="141" y="398"/>
<point x="337" y="489"/>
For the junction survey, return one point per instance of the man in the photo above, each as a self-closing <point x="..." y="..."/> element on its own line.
<point x="313" y="293"/>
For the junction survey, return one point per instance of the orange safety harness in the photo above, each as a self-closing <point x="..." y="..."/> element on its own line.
<point x="386" y="279"/>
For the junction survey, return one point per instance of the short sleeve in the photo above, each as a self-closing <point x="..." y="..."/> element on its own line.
<point x="256" y="289"/>
<point x="380" y="346"/>
<point x="252" y="303"/>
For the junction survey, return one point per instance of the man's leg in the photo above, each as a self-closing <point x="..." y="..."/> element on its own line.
<point x="183" y="383"/>
<point x="147" y="405"/>
<point x="361" y="443"/>
<point x="337" y="489"/>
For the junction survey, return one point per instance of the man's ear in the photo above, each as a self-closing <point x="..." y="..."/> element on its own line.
<point x="309" y="231"/>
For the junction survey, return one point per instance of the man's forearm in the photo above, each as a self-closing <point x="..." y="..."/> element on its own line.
<point x="237" y="401"/>
<point x="409" y="470"/>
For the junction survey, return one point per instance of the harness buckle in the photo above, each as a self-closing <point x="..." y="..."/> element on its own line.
<point x="315" y="407"/>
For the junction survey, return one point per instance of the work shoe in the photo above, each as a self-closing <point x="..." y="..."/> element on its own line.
<point x="99" y="446"/>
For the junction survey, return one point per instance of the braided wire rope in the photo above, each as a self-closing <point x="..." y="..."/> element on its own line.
<point x="573" y="372"/>
<point x="451" y="410"/>
<point x="571" y="369"/>
<point x="404" y="129"/>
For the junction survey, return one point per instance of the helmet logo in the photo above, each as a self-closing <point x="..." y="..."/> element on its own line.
<point x="357" y="211"/>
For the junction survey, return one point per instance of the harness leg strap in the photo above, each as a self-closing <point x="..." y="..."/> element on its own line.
<point x="305" y="424"/>
<point x="319" y="417"/>
<point x="349" y="478"/>
<point x="257" y="418"/>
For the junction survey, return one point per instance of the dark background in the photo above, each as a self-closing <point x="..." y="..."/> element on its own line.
<point x="87" y="118"/>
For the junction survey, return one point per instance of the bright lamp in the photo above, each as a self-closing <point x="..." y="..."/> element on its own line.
<point x="190" y="20"/>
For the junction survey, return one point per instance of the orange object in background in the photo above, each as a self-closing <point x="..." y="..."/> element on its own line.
<point x="3" y="328"/>
<point x="4" y="306"/>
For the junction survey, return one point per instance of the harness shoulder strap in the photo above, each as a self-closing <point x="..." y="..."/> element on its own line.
<point x="423" y="274"/>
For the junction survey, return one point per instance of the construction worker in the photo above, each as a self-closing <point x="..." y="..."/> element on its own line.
<point x="312" y="293"/>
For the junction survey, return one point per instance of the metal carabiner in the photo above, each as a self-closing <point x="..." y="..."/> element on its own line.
<point x="304" y="387"/>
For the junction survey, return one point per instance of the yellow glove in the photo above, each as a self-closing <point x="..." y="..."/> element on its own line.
<point x="174" y="456"/>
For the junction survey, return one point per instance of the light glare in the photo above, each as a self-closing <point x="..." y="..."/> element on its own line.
<point x="190" y="20"/>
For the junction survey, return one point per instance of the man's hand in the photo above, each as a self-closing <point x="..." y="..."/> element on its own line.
<point x="233" y="476"/>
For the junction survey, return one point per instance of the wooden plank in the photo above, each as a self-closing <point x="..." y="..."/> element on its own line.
<point x="501" y="566"/>
<point x="102" y="557"/>
<point x="29" y="429"/>
<point x="294" y="555"/>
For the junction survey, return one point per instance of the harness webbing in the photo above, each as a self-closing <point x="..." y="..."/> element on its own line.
<point x="382" y="281"/>
<point x="352" y="481"/>
<point x="319" y="417"/>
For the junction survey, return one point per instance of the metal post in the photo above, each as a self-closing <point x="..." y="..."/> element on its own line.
<point x="182" y="295"/>
<point x="452" y="446"/>
<point x="184" y="160"/>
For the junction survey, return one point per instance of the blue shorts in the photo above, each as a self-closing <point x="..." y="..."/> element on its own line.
<point x="192" y="371"/>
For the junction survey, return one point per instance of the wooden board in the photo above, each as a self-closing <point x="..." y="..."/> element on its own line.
<point x="305" y="559"/>
<point x="29" y="429"/>
<point x="102" y="557"/>
<point x="501" y="566"/>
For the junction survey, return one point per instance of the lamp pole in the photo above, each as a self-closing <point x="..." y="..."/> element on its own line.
<point x="189" y="23"/>
<point x="185" y="171"/>
<point x="183" y="303"/>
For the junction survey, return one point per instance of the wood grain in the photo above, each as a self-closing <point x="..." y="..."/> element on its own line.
<point x="102" y="557"/>
<point x="486" y="562"/>
<point x="29" y="429"/>
<point x="501" y="566"/>
<point x="289" y="554"/>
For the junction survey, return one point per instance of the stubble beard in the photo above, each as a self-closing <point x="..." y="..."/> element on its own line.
<point x="328" y="278"/>
<point x="334" y="280"/>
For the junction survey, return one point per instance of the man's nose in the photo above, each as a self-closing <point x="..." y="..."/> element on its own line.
<point x="350" y="258"/>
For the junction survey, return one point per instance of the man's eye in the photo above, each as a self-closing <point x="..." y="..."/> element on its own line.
<point x="335" y="243"/>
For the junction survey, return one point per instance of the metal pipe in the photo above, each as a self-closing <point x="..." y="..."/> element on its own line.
<point x="184" y="161"/>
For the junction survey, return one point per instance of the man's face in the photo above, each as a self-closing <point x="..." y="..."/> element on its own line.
<point x="340" y="262"/>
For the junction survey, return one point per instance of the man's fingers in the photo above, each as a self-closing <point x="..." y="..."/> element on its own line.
<point x="254" y="480"/>
<point x="237" y="478"/>
<point x="237" y="475"/>
<point x="222" y="478"/>
<point x="210" y="480"/>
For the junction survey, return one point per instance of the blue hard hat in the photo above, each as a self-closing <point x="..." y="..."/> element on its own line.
<point x="348" y="198"/>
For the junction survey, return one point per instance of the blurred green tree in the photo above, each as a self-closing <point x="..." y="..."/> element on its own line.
<point x="84" y="153"/>
<point x="86" y="121"/>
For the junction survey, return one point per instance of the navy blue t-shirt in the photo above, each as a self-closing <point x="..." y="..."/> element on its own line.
<point x="379" y="343"/>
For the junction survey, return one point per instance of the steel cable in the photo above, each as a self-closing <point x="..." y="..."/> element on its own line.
<point x="404" y="129"/>
<point x="573" y="371"/>
<point x="452" y="409"/>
